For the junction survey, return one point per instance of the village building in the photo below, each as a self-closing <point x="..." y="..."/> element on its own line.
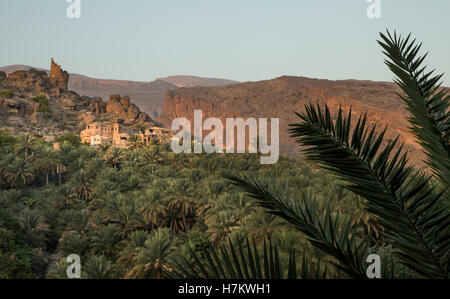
<point x="117" y="135"/>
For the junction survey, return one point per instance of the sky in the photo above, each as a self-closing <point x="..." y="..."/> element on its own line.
<point x="243" y="40"/>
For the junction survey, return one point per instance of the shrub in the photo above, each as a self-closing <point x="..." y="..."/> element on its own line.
<point x="6" y="139"/>
<point x="44" y="103"/>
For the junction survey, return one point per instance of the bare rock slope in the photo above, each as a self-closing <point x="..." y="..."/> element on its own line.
<point x="279" y="98"/>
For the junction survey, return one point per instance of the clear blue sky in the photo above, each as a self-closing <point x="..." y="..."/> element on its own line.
<point x="245" y="40"/>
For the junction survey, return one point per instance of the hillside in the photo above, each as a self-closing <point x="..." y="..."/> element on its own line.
<point x="279" y="98"/>
<point x="192" y="81"/>
<point x="41" y="103"/>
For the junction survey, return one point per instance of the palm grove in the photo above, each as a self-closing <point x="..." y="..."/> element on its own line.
<point x="145" y="212"/>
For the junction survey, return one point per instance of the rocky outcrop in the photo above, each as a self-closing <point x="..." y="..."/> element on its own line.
<point x="65" y="110"/>
<point x="37" y="81"/>
<point x="122" y="108"/>
<point x="31" y="81"/>
<point x="18" y="107"/>
<point x="62" y="110"/>
<point x="97" y="106"/>
<point x="58" y="77"/>
<point x="2" y="76"/>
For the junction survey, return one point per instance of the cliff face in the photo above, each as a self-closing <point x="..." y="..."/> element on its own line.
<point x="280" y="97"/>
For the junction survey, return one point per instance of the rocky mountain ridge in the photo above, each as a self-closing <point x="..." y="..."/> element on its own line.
<point x="40" y="103"/>
<point x="148" y="96"/>
<point x="280" y="97"/>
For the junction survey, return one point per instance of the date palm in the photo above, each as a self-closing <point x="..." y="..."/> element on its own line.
<point x="129" y="252"/>
<point x="141" y="127"/>
<point x="124" y="210"/>
<point x="181" y="209"/>
<point x="46" y="161"/>
<point x="154" y="207"/>
<point x="241" y="259"/>
<point x="412" y="206"/>
<point x="81" y="184"/>
<point x="114" y="157"/>
<point x="153" y="257"/>
<point x="25" y="144"/>
<point x="105" y="239"/>
<point x="221" y="225"/>
<point x="19" y="172"/>
<point x="263" y="227"/>
<point x="152" y="155"/>
<point x="104" y="147"/>
<point x="135" y="143"/>
<point x="98" y="267"/>
<point x="33" y="226"/>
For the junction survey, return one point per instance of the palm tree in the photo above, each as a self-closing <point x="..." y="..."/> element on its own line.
<point x="153" y="210"/>
<point x="98" y="267"/>
<point x="141" y="127"/>
<point x="134" y="241"/>
<point x="105" y="239"/>
<point x="152" y="155"/>
<point x="46" y="161"/>
<point x="114" y="157"/>
<point x="33" y="227"/>
<point x="153" y="258"/>
<point x="180" y="212"/>
<point x="104" y="147"/>
<point x="81" y="184"/>
<point x="176" y="161"/>
<point x="135" y="143"/>
<point x="221" y="225"/>
<point x="25" y="144"/>
<point x="412" y="206"/>
<point x="241" y="259"/>
<point x="19" y="173"/>
<point x="5" y="163"/>
<point x="124" y="211"/>
<point x="263" y="227"/>
<point x="242" y="206"/>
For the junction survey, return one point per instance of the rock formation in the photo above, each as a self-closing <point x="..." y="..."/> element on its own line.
<point x="65" y="110"/>
<point x="31" y="80"/>
<point x="122" y="108"/>
<point x="2" y="76"/>
<point x="58" y="77"/>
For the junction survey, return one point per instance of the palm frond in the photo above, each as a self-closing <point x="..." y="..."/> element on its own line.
<point x="242" y="260"/>
<point x="427" y="102"/>
<point x="404" y="201"/>
<point x="330" y="233"/>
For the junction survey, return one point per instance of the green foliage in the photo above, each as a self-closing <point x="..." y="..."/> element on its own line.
<point x="424" y="99"/>
<point x="70" y="138"/>
<point x="44" y="103"/>
<point x="6" y="139"/>
<point x="409" y="204"/>
<point x="145" y="212"/>
<point x="130" y="208"/>
<point x="242" y="260"/>
<point x="6" y="93"/>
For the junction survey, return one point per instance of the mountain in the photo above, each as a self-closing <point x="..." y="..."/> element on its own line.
<point x="279" y="98"/>
<point x="192" y="81"/>
<point x="149" y="96"/>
